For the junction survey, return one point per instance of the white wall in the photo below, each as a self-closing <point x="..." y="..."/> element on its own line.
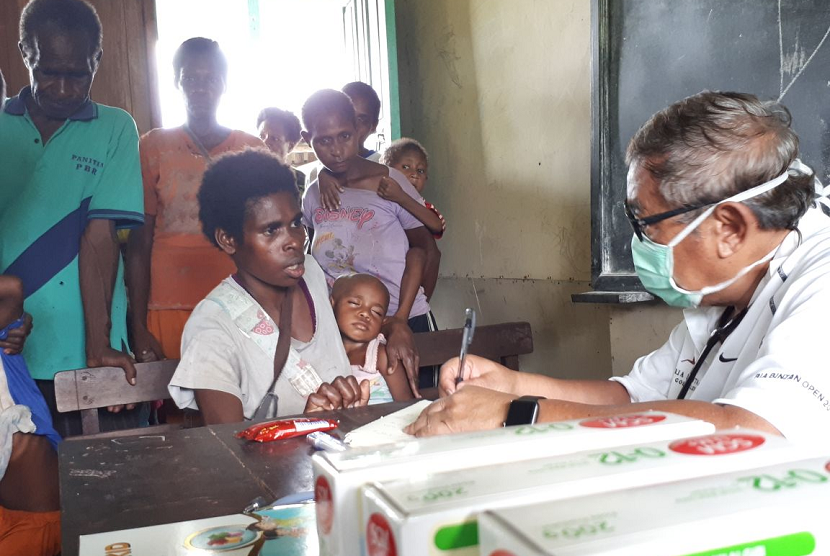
<point x="499" y="93"/>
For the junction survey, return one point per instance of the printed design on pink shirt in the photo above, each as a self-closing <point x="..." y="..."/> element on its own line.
<point x="264" y="327"/>
<point x="339" y="257"/>
<point x="358" y="215"/>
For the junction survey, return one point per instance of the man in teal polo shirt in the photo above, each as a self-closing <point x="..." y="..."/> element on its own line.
<point x="70" y="177"/>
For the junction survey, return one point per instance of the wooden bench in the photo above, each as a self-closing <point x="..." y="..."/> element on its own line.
<point x="503" y="343"/>
<point x="86" y="390"/>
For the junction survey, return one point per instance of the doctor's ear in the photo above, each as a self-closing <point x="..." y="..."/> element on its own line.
<point x="734" y="223"/>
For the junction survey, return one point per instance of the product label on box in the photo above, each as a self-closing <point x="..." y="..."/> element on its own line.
<point x="379" y="538"/>
<point x="441" y="493"/>
<point x="778" y="510"/>
<point x="632" y="455"/>
<point x="791" y="479"/>
<point x="580" y="529"/>
<point x="325" y="507"/>
<point x="622" y="421"/>
<point x="717" y="444"/>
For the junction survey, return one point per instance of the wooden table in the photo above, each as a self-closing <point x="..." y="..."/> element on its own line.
<point x="108" y="484"/>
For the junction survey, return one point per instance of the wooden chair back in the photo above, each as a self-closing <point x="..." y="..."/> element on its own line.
<point x="86" y="390"/>
<point x="503" y="343"/>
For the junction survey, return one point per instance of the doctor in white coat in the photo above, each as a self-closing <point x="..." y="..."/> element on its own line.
<point x="725" y="225"/>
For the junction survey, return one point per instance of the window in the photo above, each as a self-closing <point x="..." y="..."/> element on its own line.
<point x="279" y="52"/>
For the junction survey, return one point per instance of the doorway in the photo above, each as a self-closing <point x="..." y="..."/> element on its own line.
<point x="281" y="51"/>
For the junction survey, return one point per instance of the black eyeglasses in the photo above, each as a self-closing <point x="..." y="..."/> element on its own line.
<point x="637" y="224"/>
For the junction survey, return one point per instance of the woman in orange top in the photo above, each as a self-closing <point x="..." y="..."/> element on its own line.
<point x="170" y="264"/>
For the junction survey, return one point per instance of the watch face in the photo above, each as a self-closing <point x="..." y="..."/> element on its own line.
<point x="522" y="412"/>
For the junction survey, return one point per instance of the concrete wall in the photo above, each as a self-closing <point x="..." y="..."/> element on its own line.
<point x="499" y="93"/>
<point x="639" y="329"/>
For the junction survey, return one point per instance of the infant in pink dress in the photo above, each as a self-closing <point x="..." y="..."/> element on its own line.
<point x="360" y="302"/>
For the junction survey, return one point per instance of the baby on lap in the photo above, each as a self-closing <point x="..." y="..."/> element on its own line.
<point x="360" y="302"/>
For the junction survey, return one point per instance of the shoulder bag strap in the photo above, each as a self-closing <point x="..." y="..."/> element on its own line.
<point x="267" y="408"/>
<point x="284" y="340"/>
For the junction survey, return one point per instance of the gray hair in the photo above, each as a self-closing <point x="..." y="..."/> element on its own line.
<point x="711" y="146"/>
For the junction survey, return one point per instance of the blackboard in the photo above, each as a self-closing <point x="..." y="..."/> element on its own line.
<point x="648" y="54"/>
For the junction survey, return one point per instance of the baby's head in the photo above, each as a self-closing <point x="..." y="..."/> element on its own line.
<point x="409" y="157"/>
<point x="360" y="302"/>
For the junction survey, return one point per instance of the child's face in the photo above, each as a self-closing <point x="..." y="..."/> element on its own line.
<point x="273" y="135"/>
<point x="366" y="124"/>
<point x="360" y="309"/>
<point x="334" y="140"/>
<point x="414" y="167"/>
<point x="271" y="249"/>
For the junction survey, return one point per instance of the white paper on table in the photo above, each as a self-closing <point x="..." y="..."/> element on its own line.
<point x="388" y="429"/>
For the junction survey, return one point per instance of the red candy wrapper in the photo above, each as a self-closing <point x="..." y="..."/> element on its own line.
<point x="286" y="428"/>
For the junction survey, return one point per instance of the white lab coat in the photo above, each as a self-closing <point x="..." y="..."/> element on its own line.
<point x="775" y="363"/>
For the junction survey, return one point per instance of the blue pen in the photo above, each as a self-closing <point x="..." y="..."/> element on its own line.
<point x="466" y="340"/>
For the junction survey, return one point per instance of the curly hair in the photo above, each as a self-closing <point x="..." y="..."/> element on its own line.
<point x="289" y="122"/>
<point x="63" y="15"/>
<point x="233" y="182"/>
<point x="326" y="101"/>
<point x="400" y="147"/>
<point x="712" y="145"/>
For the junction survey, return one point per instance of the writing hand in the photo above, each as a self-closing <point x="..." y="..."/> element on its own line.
<point x="478" y="371"/>
<point x="469" y="409"/>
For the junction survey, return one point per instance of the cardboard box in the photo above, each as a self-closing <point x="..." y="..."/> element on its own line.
<point x="436" y="515"/>
<point x="780" y="510"/>
<point x="338" y="476"/>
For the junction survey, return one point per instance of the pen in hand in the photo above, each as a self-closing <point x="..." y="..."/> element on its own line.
<point x="466" y="340"/>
